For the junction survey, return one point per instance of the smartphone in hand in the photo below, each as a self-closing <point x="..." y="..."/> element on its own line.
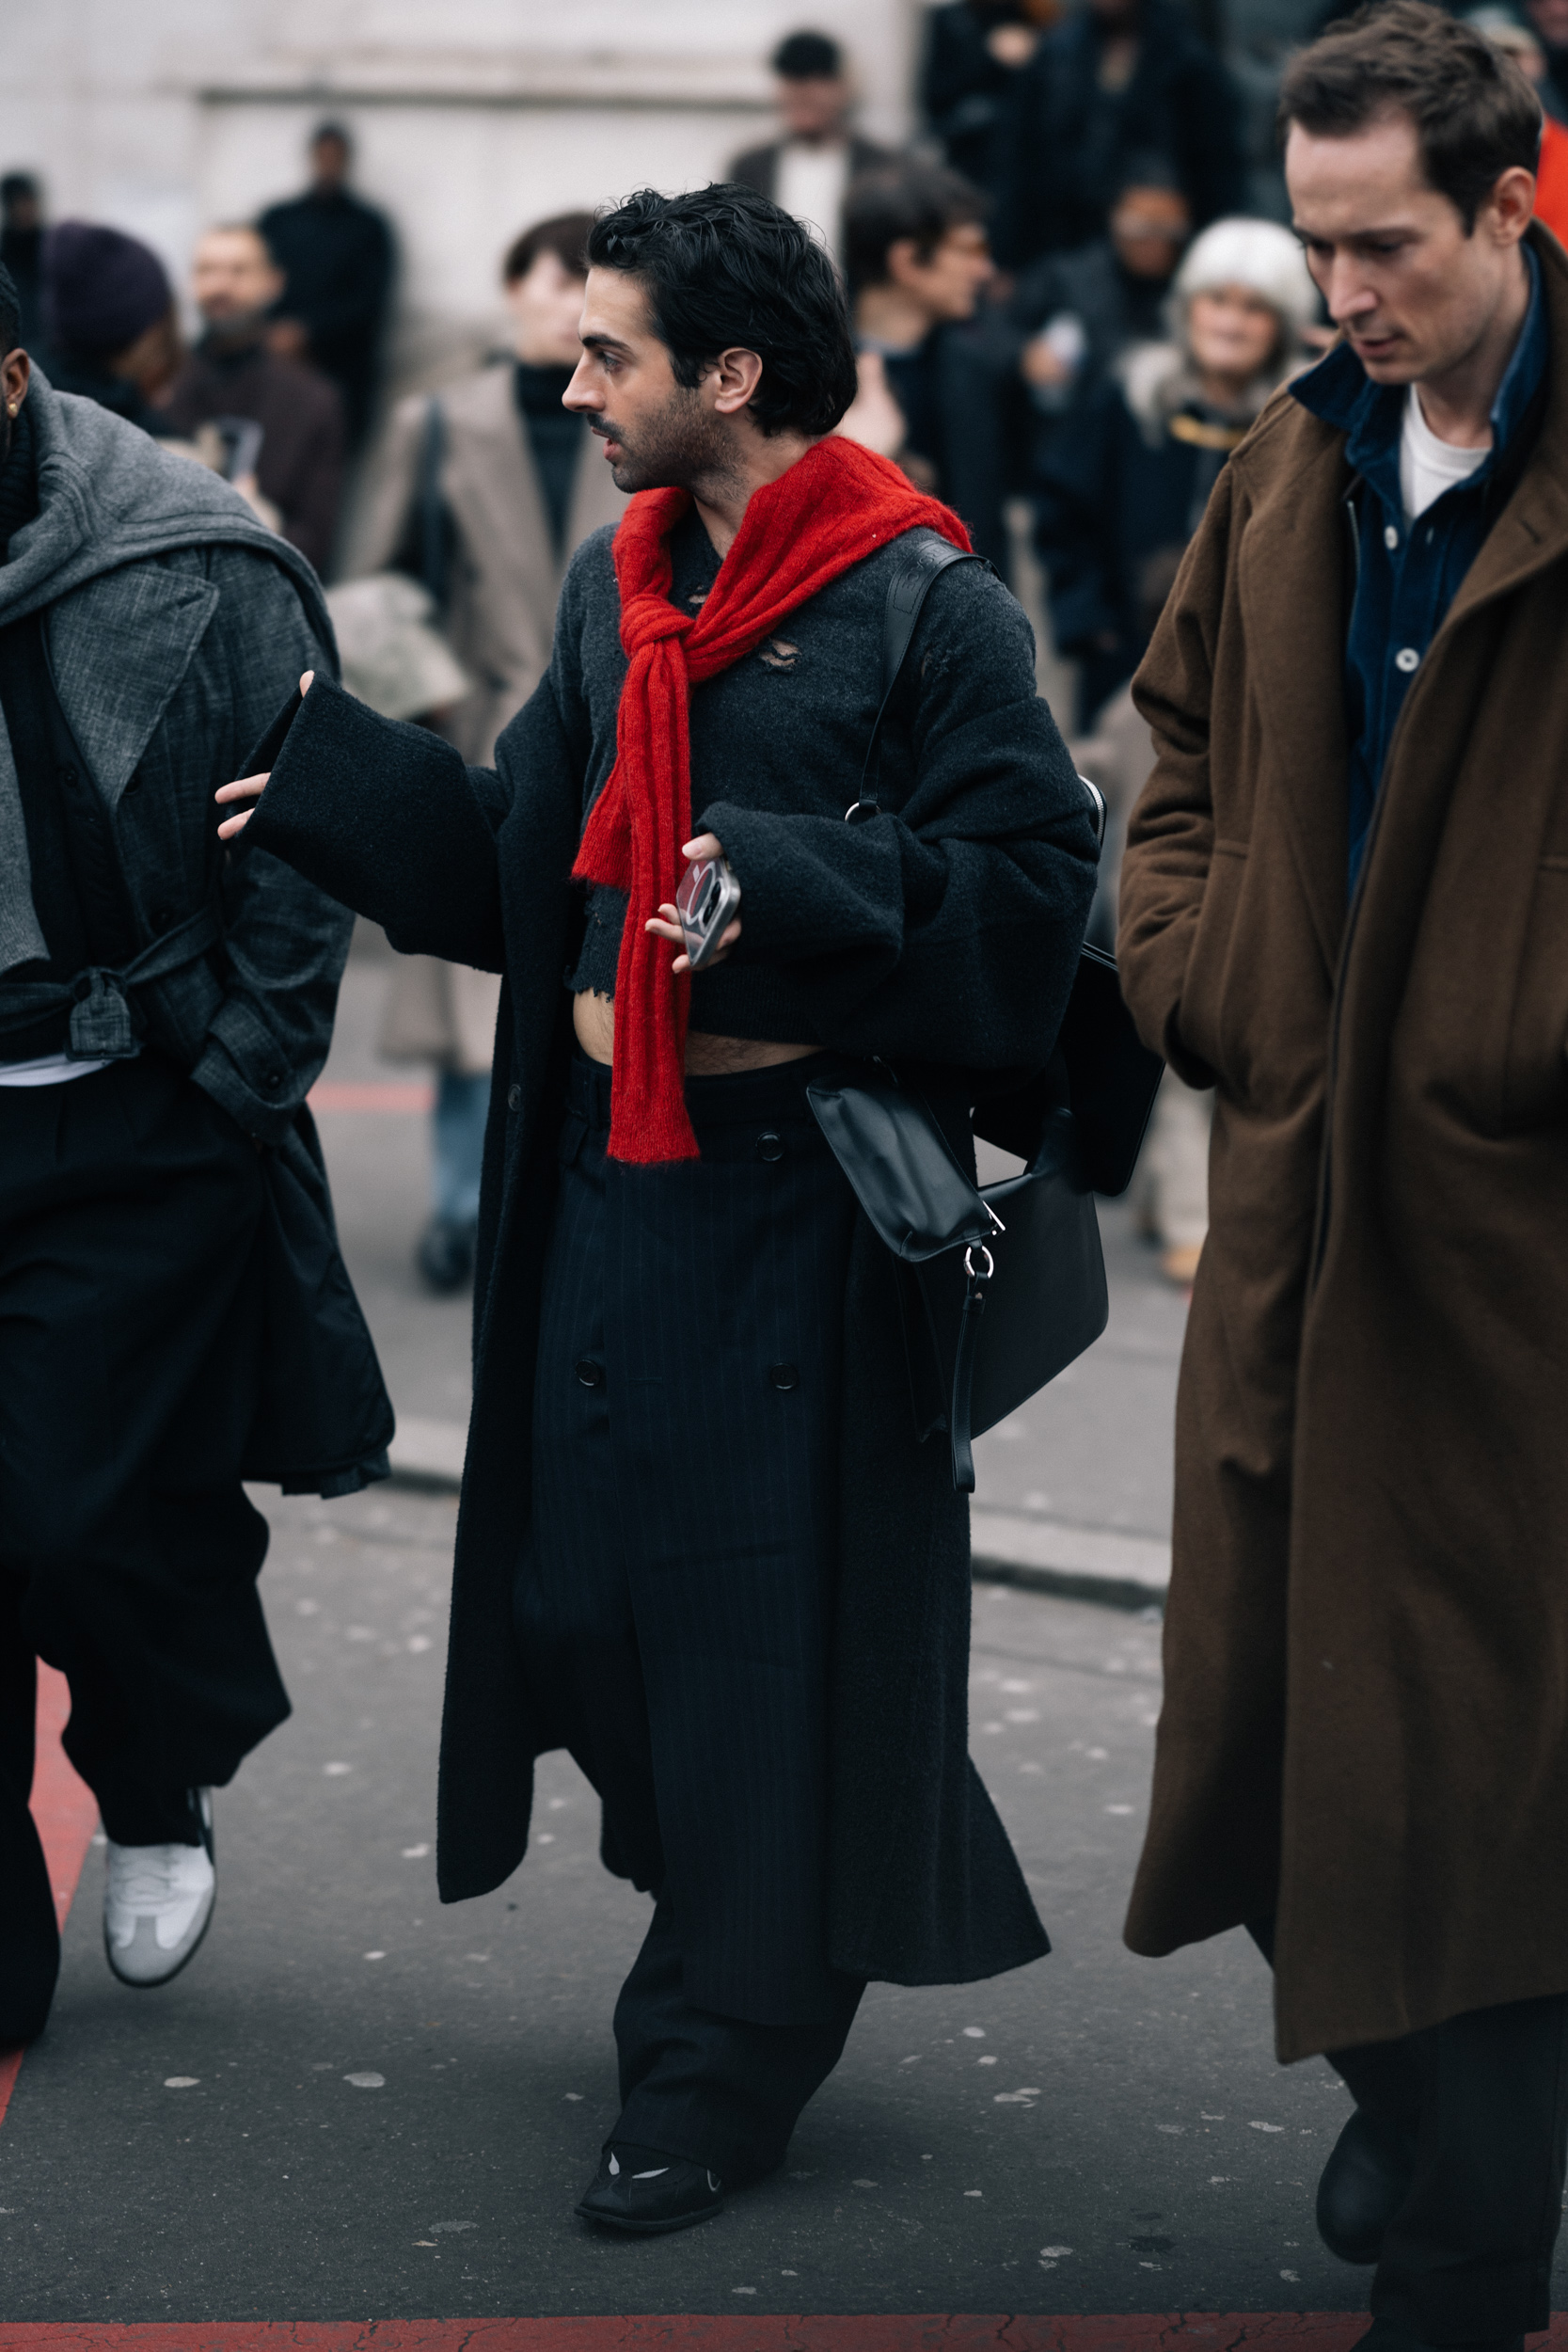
<point x="705" y="903"/>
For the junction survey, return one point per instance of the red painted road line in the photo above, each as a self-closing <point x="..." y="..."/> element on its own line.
<point x="66" y="1812"/>
<point x="1202" y="2331"/>
<point x="372" y="1094"/>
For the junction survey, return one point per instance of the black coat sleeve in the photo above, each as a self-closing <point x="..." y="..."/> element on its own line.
<point x="947" y="932"/>
<point x="387" y="819"/>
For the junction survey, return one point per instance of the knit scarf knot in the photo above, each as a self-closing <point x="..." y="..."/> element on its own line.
<point x="836" y="506"/>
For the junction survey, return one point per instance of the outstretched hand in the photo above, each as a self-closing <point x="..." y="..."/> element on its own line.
<point x="248" y="787"/>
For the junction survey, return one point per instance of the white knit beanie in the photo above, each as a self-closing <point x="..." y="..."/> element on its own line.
<point x="1258" y="254"/>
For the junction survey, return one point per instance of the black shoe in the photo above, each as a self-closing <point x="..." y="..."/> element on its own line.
<point x="642" y="2190"/>
<point x="1364" y="2182"/>
<point x="445" y="1256"/>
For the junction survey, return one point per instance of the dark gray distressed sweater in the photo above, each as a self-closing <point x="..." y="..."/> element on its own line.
<point x="945" y="930"/>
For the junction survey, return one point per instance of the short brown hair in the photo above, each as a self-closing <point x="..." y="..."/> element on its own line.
<point x="923" y="202"/>
<point x="1475" y="113"/>
<point x="565" y="236"/>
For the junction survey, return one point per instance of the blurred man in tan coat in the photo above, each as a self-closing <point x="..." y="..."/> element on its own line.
<point x="483" y="492"/>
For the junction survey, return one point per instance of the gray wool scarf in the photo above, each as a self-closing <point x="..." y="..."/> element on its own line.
<point x="108" y="495"/>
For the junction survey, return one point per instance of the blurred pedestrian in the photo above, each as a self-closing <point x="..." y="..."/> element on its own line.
<point x="1505" y="32"/>
<point x="663" y="1564"/>
<point x="486" y="491"/>
<point x="808" y="171"/>
<point x="1120" y="78"/>
<point x="174" y="1317"/>
<point x="974" y="53"/>
<point x="1073" y="314"/>
<point x="337" y="256"/>
<point x="918" y="263"/>
<point x="233" y="373"/>
<point x="22" y="248"/>
<point x="1124" y="482"/>
<point x="1548" y="21"/>
<point x="1344" y="901"/>
<point x="110" y="327"/>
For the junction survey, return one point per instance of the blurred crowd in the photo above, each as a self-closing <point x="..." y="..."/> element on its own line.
<point x="1072" y="293"/>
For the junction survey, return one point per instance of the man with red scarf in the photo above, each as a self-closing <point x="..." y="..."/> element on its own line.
<point x="702" y="1544"/>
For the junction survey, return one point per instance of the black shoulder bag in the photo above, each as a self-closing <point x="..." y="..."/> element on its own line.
<point x="1001" y="1287"/>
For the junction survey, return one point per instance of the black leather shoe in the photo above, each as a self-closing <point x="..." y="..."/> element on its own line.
<point x="642" y="2190"/>
<point x="1364" y="2184"/>
<point x="446" y="1254"/>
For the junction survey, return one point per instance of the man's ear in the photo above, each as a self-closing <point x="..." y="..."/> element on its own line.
<point x="903" y="261"/>
<point x="734" y="376"/>
<point x="1510" y="204"/>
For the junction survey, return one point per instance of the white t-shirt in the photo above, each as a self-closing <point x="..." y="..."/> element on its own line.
<point x="1428" y="467"/>
<point x="48" y="1070"/>
<point x="812" y="184"/>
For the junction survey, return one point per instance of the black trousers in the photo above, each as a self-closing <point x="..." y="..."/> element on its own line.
<point x="1480" y="2103"/>
<point x="130" y="1338"/>
<point x="673" y="1594"/>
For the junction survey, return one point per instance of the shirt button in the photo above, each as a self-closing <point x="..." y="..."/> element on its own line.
<point x="770" y="1146"/>
<point x="590" y="1375"/>
<point x="513" y="1096"/>
<point x="68" y="775"/>
<point x="783" y="1376"/>
<point x="1407" y="659"/>
<point x="1390" y="536"/>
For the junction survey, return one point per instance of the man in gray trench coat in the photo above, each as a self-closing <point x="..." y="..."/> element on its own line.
<point x="174" y="1316"/>
<point x="487" y="489"/>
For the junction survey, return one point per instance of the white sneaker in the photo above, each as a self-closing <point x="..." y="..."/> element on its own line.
<point x="158" y="1903"/>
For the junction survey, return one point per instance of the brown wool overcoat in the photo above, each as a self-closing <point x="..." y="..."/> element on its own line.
<point x="1366" y="1727"/>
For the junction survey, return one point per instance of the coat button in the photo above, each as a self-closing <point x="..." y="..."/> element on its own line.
<point x="783" y="1376"/>
<point x="513" y="1096"/>
<point x="273" y="1080"/>
<point x="770" y="1146"/>
<point x="590" y="1375"/>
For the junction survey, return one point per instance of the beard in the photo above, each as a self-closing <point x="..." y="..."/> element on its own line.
<point x="680" y="445"/>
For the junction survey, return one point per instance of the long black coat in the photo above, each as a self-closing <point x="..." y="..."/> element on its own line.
<point x="956" y="921"/>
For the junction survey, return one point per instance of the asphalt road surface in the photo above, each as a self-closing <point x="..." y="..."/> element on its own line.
<point x="357" y="2103"/>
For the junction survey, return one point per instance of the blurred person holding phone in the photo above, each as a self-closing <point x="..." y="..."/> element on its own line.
<point x="233" y="373"/>
<point x="701" y="1543"/>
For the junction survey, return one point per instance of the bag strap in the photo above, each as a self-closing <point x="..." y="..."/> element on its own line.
<point x="924" y="557"/>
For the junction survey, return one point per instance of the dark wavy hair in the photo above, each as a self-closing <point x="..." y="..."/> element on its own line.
<point x="722" y="268"/>
<point x="1475" y="114"/>
<point x="10" y="312"/>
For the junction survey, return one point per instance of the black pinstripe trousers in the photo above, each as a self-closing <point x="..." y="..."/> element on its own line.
<point x="674" y="1596"/>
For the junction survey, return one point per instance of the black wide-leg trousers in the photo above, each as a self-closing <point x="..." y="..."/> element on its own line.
<point x="130" y="1341"/>
<point x="674" y="1596"/>
<point x="1480" y="2103"/>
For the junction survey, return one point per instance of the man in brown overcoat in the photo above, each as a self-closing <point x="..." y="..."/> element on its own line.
<point x="1345" y="904"/>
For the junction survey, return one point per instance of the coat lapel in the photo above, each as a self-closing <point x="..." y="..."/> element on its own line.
<point x="1291" y="579"/>
<point x="118" y="649"/>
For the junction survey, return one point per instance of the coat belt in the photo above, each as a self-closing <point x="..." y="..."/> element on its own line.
<point x="99" y="998"/>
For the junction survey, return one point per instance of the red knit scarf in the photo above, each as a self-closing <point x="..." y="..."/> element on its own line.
<point x="834" y="507"/>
